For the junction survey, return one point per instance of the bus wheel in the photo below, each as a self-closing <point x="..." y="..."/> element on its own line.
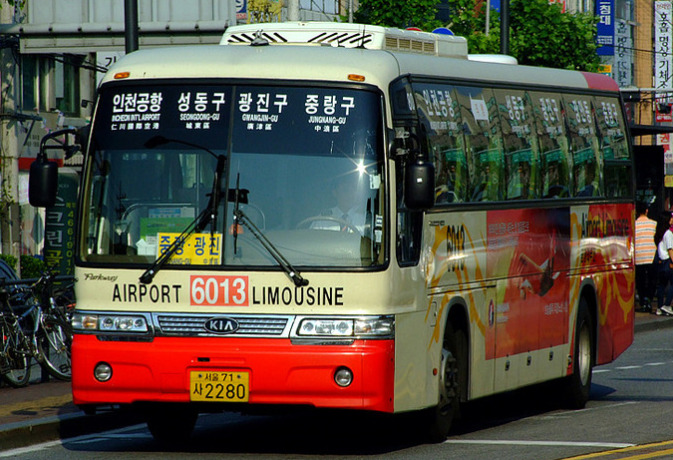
<point x="578" y="384"/>
<point x="171" y="425"/>
<point x="453" y="364"/>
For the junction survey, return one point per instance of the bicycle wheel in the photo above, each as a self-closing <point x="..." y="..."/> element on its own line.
<point x="53" y="343"/>
<point x="14" y="361"/>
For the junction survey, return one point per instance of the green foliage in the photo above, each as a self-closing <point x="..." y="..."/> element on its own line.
<point x="398" y="13"/>
<point x="31" y="267"/>
<point x="10" y="259"/>
<point x="469" y="22"/>
<point x="13" y="3"/>
<point x="542" y="35"/>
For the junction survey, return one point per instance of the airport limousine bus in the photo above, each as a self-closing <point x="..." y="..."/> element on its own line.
<point x="351" y="217"/>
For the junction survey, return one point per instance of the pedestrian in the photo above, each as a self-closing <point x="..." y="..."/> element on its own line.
<point x="665" y="265"/>
<point x="645" y="251"/>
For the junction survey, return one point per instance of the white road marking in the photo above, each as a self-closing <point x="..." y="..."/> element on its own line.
<point x="96" y="437"/>
<point x="626" y="368"/>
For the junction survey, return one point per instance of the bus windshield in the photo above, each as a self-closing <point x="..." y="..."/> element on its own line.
<point x="304" y="166"/>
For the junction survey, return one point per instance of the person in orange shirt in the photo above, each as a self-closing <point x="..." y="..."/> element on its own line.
<point x="645" y="251"/>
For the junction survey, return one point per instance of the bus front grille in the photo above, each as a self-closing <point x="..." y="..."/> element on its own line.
<point x="246" y="325"/>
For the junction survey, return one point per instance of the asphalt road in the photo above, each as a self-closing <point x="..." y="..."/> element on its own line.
<point x="630" y="411"/>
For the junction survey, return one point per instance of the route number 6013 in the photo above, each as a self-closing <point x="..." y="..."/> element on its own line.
<point x="219" y="291"/>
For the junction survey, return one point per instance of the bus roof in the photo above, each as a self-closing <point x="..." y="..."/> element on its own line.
<point x="378" y="62"/>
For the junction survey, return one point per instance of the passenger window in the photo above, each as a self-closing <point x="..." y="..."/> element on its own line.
<point x="519" y="144"/>
<point x="587" y="161"/>
<point x="552" y="145"/>
<point x="614" y="147"/>
<point x="483" y="143"/>
<point x="439" y="115"/>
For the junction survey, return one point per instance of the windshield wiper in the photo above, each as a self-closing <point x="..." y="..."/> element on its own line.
<point x="292" y="273"/>
<point x="208" y="215"/>
<point x="287" y="267"/>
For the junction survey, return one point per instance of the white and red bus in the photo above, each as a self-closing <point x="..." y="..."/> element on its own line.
<point x="347" y="216"/>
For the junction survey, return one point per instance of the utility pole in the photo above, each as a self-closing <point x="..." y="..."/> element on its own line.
<point x="350" y="11"/>
<point x="131" y="25"/>
<point x="504" y="27"/>
<point x="293" y="10"/>
<point x="10" y="223"/>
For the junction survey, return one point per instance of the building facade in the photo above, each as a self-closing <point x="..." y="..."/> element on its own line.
<point x="54" y="53"/>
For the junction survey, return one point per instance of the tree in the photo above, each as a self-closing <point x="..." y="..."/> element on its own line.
<point x="398" y="13"/>
<point x="469" y="20"/>
<point x="540" y="33"/>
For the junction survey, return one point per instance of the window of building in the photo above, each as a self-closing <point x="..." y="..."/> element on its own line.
<point x="51" y="82"/>
<point x="321" y="6"/>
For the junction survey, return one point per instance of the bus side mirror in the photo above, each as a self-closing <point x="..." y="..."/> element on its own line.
<point x="43" y="182"/>
<point x="419" y="185"/>
<point x="43" y="178"/>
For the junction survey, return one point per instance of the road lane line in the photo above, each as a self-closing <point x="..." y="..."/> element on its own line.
<point x="511" y="442"/>
<point x="632" y="448"/>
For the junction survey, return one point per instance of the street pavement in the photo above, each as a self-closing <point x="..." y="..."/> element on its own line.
<point x="44" y="411"/>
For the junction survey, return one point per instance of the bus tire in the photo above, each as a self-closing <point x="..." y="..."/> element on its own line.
<point x="578" y="385"/>
<point x="171" y="425"/>
<point x="452" y="378"/>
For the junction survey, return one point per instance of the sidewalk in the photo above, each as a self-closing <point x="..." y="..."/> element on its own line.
<point x="44" y="411"/>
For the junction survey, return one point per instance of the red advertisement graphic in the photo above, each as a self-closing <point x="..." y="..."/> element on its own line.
<point x="606" y="232"/>
<point x="529" y="255"/>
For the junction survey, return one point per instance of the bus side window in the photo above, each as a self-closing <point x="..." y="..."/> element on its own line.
<point x="439" y="115"/>
<point x="483" y="143"/>
<point x="613" y="146"/>
<point x="587" y="161"/>
<point x="552" y="144"/>
<point x="519" y="144"/>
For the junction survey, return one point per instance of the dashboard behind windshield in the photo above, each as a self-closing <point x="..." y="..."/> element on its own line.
<point x="304" y="165"/>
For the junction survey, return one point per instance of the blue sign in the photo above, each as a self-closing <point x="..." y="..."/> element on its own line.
<point x="241" y="9"/>
<point x="442" y="31"/>
<point x="605" y="37"/>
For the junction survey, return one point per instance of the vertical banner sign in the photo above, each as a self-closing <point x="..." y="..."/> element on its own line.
<point x="241" y="10"/>
<point x="663" y="60"/>
<point x="59" y="227"/>
<point x="623" y="54"/>
<point x="605" y="37"/>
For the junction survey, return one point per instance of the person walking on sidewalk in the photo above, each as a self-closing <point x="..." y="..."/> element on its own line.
<point x="645" y="251"/>
<point x="665" y="266"/>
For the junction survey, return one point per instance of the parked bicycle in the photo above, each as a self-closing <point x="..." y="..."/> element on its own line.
<point x="34" y="326"/>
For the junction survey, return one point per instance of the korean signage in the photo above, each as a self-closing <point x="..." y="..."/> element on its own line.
<point x="663" y="60"/>
<point x="257" y="119"/>
<point x="623" y="54"/>
<point x="605" y="37"/>
<point x="241" y="9"/>
<point x="59" y="231"/>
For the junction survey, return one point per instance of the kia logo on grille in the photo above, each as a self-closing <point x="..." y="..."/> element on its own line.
<point x="221" y="325"/>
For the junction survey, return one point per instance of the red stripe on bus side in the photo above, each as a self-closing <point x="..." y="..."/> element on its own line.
<point x="599" y="81"/>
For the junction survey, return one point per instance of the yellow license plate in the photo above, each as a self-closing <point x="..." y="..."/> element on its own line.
<point x="216" y="386"/>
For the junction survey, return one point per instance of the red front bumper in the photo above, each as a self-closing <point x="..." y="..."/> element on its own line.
<point x="280" y="372"/>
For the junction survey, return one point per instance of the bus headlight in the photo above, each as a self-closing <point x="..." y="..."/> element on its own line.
<point x="322" y="327"/>
<point x="369" y="326"/>
<point x="108" y="323"/>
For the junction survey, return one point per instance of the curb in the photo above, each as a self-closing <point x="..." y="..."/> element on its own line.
<point x="653" y="324"/>
<point x="22" y="434"/>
